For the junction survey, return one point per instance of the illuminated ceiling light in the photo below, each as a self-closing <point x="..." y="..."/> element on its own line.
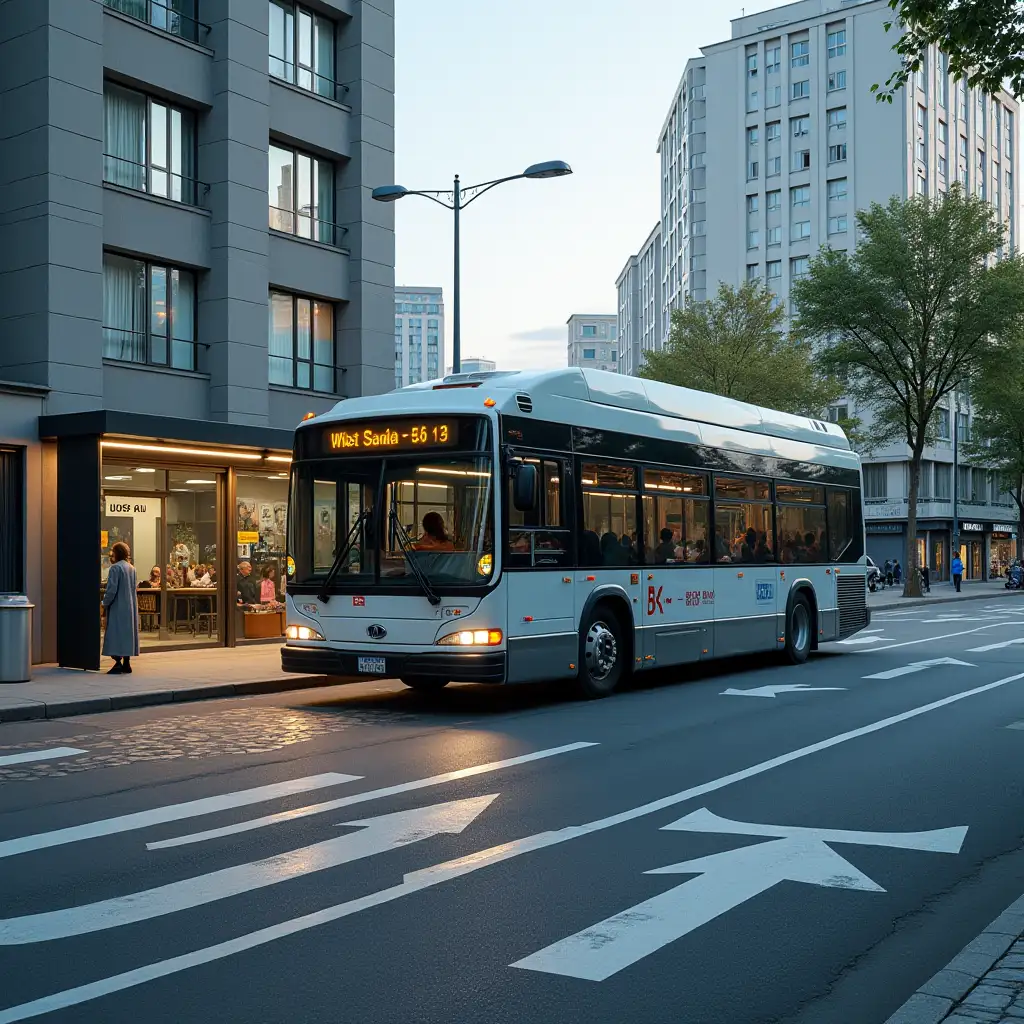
<point x="141" y="470"/>
<point x="279" y="458"/>
<point x="117" y="478"/>
<point x="200" y="481"/>
<point x="132" y="446"/>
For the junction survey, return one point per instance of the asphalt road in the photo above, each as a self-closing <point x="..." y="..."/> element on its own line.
<point x="831" y="846"/>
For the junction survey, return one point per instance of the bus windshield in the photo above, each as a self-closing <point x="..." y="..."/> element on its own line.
<point x="436" y="509"/>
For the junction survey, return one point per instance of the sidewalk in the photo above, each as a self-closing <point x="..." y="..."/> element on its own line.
<point x="163" y="677"/>
<point x="942" y="593"/>
<point x="983" y="984"/>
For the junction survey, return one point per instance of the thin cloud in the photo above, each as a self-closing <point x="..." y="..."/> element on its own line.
<point x="541" y="334"/>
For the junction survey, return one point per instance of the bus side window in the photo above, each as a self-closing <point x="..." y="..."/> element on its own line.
<point x="537" y="538"/>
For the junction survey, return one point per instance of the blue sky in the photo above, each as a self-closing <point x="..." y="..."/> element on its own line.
<point x="486" y="87"/>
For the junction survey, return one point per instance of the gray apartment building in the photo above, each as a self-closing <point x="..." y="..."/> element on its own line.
<point x="190" y="264"/>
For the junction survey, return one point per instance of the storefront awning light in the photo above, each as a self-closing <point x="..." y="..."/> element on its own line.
<point x="172" y="450"/>
<point x="279" y="458"/>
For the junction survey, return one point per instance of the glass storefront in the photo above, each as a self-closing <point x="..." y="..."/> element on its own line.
<point x="259" y="570"/>
<point x="1002" y="552"/>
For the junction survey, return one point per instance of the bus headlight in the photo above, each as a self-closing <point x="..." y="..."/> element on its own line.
<point x="472" y="638"/>
<point x="302" y="633"/>
<point x="486" y="565"/>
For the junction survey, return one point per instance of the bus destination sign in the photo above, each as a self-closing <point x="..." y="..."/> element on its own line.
<point x="396" y="436"/>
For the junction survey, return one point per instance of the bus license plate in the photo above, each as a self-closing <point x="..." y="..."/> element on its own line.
<point x="372" y="666"/>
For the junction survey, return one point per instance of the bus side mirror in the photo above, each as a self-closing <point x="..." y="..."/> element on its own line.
<point x="524" y="487"/>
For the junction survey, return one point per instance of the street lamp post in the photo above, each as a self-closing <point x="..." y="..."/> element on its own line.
<point x="456" y="203"/>
<point x="955" y="536"/>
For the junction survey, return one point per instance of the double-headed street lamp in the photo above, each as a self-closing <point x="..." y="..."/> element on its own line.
<point x="456" y="200"/>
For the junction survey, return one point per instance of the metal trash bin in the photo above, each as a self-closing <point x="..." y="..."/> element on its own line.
<point x="15" y="638"/>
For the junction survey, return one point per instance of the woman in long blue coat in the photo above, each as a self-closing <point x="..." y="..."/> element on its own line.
<point x="121" y="639"/>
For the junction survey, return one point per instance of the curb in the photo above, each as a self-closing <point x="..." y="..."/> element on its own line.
<point x="936" y="998"/>
<point x="33" y="710"/>
<point x="919" y="602"/>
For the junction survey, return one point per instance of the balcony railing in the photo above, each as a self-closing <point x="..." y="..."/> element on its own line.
<point x="305" y="225"/>
<point x="162" y="16"/>
<point x="308" y="79"/>
<point x="140" y="347"/>
<point x="118" y="170"/>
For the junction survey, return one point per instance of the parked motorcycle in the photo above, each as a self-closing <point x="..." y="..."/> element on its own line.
<point x="876" y="581"/>
<point x="1015" y="577"/>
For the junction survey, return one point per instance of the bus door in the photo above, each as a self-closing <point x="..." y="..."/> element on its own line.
<point x="678" y="596"/>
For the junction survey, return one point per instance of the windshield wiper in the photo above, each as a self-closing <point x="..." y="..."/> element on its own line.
<point x="342" y="555"/>
<point x="405" y="543"/>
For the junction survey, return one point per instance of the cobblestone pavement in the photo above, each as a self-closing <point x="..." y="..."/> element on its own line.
<point x="983" y="984"/>
<point x="237" y="731"/>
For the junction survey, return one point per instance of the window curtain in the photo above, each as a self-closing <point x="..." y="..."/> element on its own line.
<point x="124" y="309"/>
<point x="323" y="43"/>
<point x="133" y="8"/>
<point x="182" y="157"/>
<point x="124" y="137"/>
<point x="323" y="347"/>
<point x="280" y="340"/>
<point x="323" y="175"/>
<point x="183" y="320"/>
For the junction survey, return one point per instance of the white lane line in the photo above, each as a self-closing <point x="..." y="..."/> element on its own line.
<point x="932" y="639"/>
<point x="853" y="641"/>
<point x="995" y="647"/>
<point x="172" y="812"/>
<point x="359" y="798"/>
<point x="417" y="881"/>
<point x="917" y="666"/>
<point x="39" y="755"/>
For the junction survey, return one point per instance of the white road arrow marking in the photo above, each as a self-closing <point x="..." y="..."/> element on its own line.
<point x="772" y="690"/>
<point x="39" y="755"/>
<point x="995" y="647"/>
<point x="726" y="880"/>
<point x="378" y="835"/>
<point x="917" y="666"/>
<point x="860" y="638"/>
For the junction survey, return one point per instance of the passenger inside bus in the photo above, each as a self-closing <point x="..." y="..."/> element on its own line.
<point x="434" y="536"/>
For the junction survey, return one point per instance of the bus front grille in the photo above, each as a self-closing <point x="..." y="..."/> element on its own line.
<point x="852" y="594"/>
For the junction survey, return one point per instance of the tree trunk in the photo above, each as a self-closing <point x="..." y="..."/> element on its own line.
<point x="912" y="578"/>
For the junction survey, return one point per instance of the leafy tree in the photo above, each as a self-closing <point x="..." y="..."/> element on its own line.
<point x="998" y="398"/>
<point x="909" y="315"/>
<point x="735" y="345"/>
<point x="984" y="40"/>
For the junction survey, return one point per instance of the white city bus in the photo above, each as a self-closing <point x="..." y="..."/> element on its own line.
<point x="571" y="524"/>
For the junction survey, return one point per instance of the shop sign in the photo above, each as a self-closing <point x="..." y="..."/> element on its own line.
<point x="885" y="511"/>
<point x="248" y="536"/>
<point x="972" y="527"/>
<point x="884" y="527"/>
<point x="1002" y="535"/>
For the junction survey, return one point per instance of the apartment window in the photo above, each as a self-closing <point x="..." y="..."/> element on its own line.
<point x="801" y="160"/>
<point x="752" y="170"/>
<point x="149" y="313"/>
<point x="302" y="342"/>
<point x="981" y="173"/>
<point x="943" y="133"/>
<point x="753" y="239"/>
<point x="920" y="185"/>
<point x="149" y="145"/>
<point x="942" y="425"/>
<point x="1008" y="133"/>
<point x="800" y="266"/>
<point x="753" y="271"/>
<point x="922" y="151"/>
<point x="837" y="188"/>
<point x="837" y="118"/>
<point x="837" y="153"/>
<point x="981" y="113"/>
<point x="800" y="90"/>
<point x="838" y="413"/>
<point x="302" y="48"/>
<point x="773" y="96"/>
<point x="301" y="194"/>
<point x="837" y="225"/>
<point x="752" y="63"/>
<point x="800" y="196"/>
<point x="773" y="131"/>
<point x="943" y="486"/>
<point x="773" y="166"/>
<point x="801" y="230"/>
<point x="963" y="478"/>
<point x="836" y="43"/>
<point x="919" y="82"/>
<point x="774" y="270"/>
<point x="800" y="54"/>
<point x="772" y="59"/>
<point x="178" y="17"/>
<point x="836" y="81"/>
<point x="773" y="200"/>
<point x="589" y="353"/>
<point x="875" y="480"/>
<point x="963" y="428"/>
<point x="800" y="126"/>
<point x="961" y="100"/>
<point x="942" y="78"/>
<point x="752" y="204"/>
<point x="942" y="168"/>
<point x="752" y="137"/>
<point x="773" y="236"/>
<point x="1009" y="185"/>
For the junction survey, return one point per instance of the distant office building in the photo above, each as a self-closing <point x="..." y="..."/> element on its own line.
<point x="419" y="318"/>
<point x="594" y="341"/>
<point x="473" y="365"/>
<point x="639" y="291"/>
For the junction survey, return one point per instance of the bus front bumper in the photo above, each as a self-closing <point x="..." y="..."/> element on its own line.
<point x="465" y="667"/>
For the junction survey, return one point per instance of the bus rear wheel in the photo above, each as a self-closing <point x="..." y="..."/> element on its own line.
<point x="602" y="663"/>
<point x="425" y="684"/>
<point x="798" y="630"/>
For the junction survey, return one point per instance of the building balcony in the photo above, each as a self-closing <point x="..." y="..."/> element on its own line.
<point x="882" y="509"/>
<point x="309" y="266"/>
<point x="316" y="119"/>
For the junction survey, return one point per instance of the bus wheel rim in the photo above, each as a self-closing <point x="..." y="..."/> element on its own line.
<point x="801" y="627"/>
<point x="601" y="651"/>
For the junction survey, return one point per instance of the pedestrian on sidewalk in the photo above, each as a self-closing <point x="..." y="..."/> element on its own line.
<point x="926" y="583"/>
<point x="121" y="637"/>
<point x="897" y="572"/>
<point x="958" y="572"/>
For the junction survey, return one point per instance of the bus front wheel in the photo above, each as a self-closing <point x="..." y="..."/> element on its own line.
<point x="798" y="630"/>
<point x="425" y="684"/>
<point x="602" y="654"/>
